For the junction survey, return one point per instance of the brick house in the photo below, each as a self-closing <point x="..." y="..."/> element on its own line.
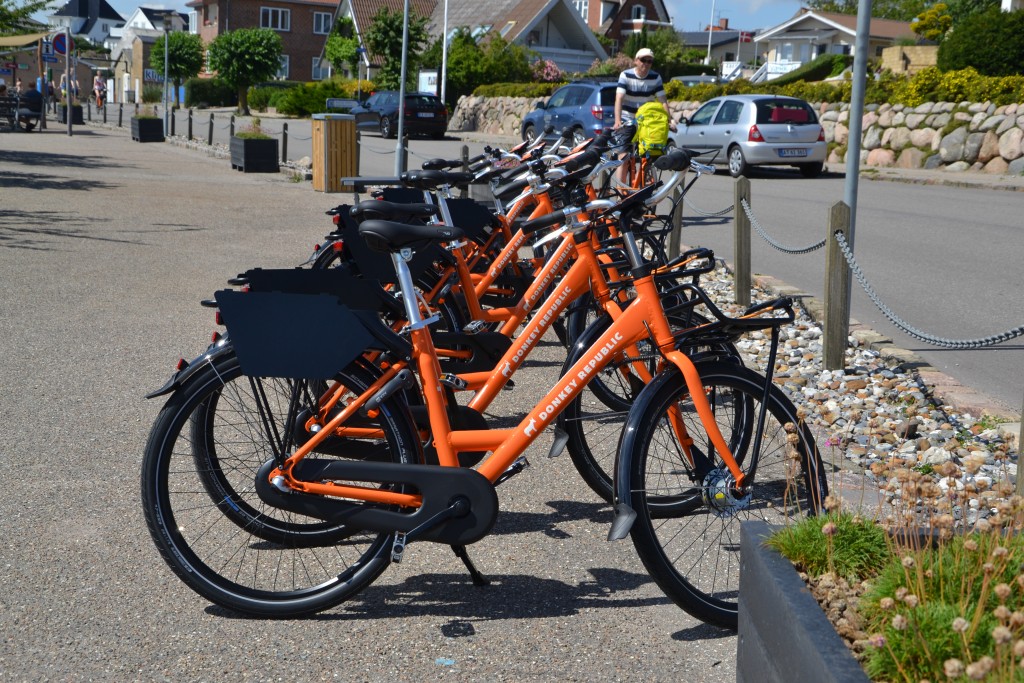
<point x="619" y="19"/>
<point x="303" y="25"/>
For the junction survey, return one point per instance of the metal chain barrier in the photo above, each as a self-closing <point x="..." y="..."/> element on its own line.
<point x="767" y="238"/>
<point x="697" y="211"/>
<point x="912" y="331"/>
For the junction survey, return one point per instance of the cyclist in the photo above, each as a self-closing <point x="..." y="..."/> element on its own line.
<point x="637" y="86"/>
<point x="99" y="89"/>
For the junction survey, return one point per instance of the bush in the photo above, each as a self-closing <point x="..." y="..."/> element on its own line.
<point x="210" y="92"/>
<point x="152" y="94"/>
<point x="517" y="89"/>
<point x="311" y="98"/>
<point x="992" y="42"/>
<point x="820" y="68"/>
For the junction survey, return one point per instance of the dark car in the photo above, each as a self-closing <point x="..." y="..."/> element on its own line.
<point x="587" y="107"/>
<point x="425" y="114"/>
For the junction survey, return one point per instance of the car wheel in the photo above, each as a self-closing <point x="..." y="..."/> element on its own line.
<point x="737" y="163"/>
<point x="578" y="137"/>
<point x="385" y="127"/>
<point x="812" y="170"/>
<point x="529" y="133"/>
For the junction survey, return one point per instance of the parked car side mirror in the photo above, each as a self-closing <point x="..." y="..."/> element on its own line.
<point x="540" y="105"/>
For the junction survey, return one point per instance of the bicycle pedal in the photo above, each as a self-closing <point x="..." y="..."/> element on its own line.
<point x="520" y="464"/>
<point x="474" y="326"/>
<point x="453" y="381"/>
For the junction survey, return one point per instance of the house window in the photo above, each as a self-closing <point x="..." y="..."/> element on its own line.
<point x="193" y="22"/>
<point x="639" y="13"/>
<point x="318" y="73"/>
<point x="282" y="72"/>
<point x="277" y="19"/>
<point x="321" y="23"/>
<point x="508" y="27"/>
<point x="583" y="7"/>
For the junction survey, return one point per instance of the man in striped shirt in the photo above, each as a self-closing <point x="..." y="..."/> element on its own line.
<point x="636" y="87"/>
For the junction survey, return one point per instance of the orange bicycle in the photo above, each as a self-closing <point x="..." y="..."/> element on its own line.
<point x="325" y="527"/>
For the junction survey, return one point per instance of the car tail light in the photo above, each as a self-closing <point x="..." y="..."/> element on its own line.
<point x="821" y="134"/>
<point x="754" y="135"/>
<point x="598" y="111"/>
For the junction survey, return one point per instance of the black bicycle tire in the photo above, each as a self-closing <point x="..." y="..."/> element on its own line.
<point x="207" y="529"/>
<point x="719" y="604"/>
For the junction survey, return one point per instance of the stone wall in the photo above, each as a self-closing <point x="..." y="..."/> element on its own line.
<point x="909" y="59"/>
<point x="935" y="135"/>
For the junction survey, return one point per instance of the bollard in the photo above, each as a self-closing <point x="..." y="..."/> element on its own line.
<point x="104" y="114"/>
<point x="284" y="142"/>
<point x="232" y="126"/>
<point x="1020" y="448"/>
<point x="405" y="152"/>
<point x="741" y="243"/>
<point x="837" y="289"/>
<point x="88" y="111"/>
<point x="675" y="236"/>
<point x="120" y="115"/>
<point x="173" y="111"/>
<point x="190" y="124"/>
<point x="136" y="108"/>
<point x="464" y="192"/>
<point x="209" y="137"/>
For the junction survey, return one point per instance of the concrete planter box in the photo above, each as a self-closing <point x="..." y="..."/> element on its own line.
<point x="251" y="155"/>
<point x="784" y="636"/>
<point x="147" y="130"/>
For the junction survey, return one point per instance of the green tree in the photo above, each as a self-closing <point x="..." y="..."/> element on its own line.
<point x="245" y="57"/>
<point x="342" y="48"/>
<point x="15" y="17"/>
<point x="670" y="53"/>
<point x="961" y="9"/>
<point x="384" y="39"/>
<point x="184" y="57"/>
<point x="472" y="63"/>
<point x="992" y="42"/>
<point x="934" y="23"/>
<point x="899" y="10"/>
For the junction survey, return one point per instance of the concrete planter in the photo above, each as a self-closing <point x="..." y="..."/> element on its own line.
<point x="783" y="634"/>
<point x="147" y="130"/>
<point x="251" y="155"/>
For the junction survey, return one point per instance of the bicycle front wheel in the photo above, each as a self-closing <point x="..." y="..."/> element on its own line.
<point x="213" y="530"/>
<point x="694" y="556"/>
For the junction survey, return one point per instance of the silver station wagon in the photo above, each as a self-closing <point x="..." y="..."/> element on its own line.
<point x="756" y="130"/>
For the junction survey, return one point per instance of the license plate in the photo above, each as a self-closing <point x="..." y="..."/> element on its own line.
<point x="792" y="152"/>
<point x="425" y="114"/>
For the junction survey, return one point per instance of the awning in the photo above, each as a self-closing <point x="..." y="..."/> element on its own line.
<point x="22" y="41"/>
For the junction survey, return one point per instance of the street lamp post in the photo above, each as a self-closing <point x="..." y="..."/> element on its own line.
<point x="167" y="39"/>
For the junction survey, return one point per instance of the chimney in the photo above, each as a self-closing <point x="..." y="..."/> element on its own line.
<point x="723" y="24"/>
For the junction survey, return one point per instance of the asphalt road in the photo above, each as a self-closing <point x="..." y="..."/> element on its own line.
<point x="947" y="260"/>
<point x="106" y="248"/>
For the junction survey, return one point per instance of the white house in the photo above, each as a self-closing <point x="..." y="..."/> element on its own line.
<point x="810" y="34"/>
<point x="94" y="19"/>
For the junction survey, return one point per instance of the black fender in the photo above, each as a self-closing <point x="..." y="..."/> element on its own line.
<point x="642" y="405"/>
<point x="218" y="349"/>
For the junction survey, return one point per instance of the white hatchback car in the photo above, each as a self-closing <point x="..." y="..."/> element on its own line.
<point x="756" y="130"/>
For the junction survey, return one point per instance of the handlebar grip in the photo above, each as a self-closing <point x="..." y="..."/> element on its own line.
<point x="587" y="158"/>
<point x="543" y="222"/>
<point x="440" y="164"/>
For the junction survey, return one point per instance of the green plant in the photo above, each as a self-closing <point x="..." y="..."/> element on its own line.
<point x="152" y="94"/>
<point x="992" y="42"/>
<point x="851" y="547"/>
<point x="311" y="98"/>
<point x="184" y="57"/>
<point x="210" y="92"/>
<point x="253" y="131"/>
<point x="245" y="57"/>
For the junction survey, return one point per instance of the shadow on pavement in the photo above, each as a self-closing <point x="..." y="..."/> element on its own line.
<point x="35" y="158"/>
<point x="42" y="230"/>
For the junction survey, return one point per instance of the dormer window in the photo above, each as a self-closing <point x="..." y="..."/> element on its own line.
<point x="639" y="13"/>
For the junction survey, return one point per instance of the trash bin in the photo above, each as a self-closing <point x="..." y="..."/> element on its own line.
<point x="335" y="153"/>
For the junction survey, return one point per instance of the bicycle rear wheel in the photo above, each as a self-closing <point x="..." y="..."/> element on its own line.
<point x="212" y="528"/>
<point x="694" y="556"/>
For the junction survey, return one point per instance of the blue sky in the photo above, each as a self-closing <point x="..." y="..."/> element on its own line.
<point x="688" y="15"/>
<point x="745" y="15"/>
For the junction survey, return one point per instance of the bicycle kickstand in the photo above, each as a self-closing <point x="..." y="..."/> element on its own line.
<point x="478" y="578"/>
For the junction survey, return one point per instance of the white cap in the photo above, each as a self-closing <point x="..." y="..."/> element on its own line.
<point x="644" y="52"/>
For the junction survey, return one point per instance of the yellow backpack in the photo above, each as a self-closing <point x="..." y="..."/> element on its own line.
<point x="651" y="129"/>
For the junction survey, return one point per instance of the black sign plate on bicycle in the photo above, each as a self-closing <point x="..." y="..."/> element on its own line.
<point x="355" y="292"/>
<point x="302" y="336"/>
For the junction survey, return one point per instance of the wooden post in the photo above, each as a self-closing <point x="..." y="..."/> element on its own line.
<point x="837" y="289"/>
<point x="675" y="236"/>
<point x="209" y="136"/>
<point x="741" y="242"/>
<point x="284" y="142"/>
